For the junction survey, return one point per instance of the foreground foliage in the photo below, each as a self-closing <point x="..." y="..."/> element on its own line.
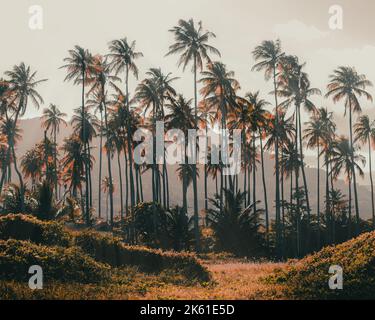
<point x="308" y="279"/>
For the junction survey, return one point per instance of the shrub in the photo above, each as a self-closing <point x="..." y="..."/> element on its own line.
<point x="308" y="278"/>
<point x="58" y="263"/>
<point x="237" y="229"/>
<point x="25" y="227"/>
<point x="166" y="229"/>
<point x="113" y="251"/>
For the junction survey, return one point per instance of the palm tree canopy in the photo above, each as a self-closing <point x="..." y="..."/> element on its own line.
<point x="23" y="84"/>
<point x="191" y="42"/>
<point x="78" y="64"/>
<point x="123" y="56"/>
<point x="53" y="118"/>
<point x="347" y="84"/>
<point x="268" y="54"/>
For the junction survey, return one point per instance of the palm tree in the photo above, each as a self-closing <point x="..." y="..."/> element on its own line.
<point x="364" y="131"/>
<point x="23" y="84"/>
<point x="101" y="77"/>
<point x="259" y="118"/>
<point x="345" y="159"/>
<point x="122" y="58"/>
<point x="328" y="140"/>
<point x="79" y="69"/>
<point x="219" y="93"/>
<point x="181" y="117"/>
<point x="74" y="163"/>
<point x="108" y="188"/>
<point x="31" y="163"/>
<point x="268" y="55"/>
<point x="12" y="133"/>
<point x="314" y="134"/>
<point x="95" y="102"/>
<point x="295" y="87"/>
<point x="164" y="90"/>
<point x="53" y="118"/>
<point x="191" y="44"/>
<point x="147" y="94"/>
<point x="85" y="127"/>
<point x="347" y="84"/>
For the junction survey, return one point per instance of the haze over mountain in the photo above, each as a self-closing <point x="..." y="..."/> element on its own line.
<point x="32" y="133"/>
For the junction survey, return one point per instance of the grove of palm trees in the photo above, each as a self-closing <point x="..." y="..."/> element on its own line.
<point x="87" y="181"/>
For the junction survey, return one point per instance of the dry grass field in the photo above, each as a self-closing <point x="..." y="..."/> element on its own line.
<point x="231" y="280"/>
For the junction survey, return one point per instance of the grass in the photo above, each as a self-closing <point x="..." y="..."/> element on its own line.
<point x="230" y="280"/>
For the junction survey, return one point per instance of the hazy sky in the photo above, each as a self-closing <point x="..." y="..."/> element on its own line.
<point x="239" y="25"/>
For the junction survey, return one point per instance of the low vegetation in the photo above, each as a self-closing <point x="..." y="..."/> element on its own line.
<point x="308" y="278"/>
<point x="58" y="263"/>
<point x="86" y="257"/>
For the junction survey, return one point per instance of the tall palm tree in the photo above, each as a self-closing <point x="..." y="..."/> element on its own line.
<point x="85" y="126"/>
<point x="364" y="131"/>
<point x="122" y="58"/>
<point x="314" y="134"/>
<point x="23" y="84"/>
<point x="346" y="84"/>
<point x="181" y="117"/>
<point x="268" y="55"/>
<point x="95" y="102"/>
<point x="147" y="94"/>
<point x="79" y="69"/>
<point x="100" y="78"/>
<point x="219" y="93"/>
<point x="328" y="140"/>
<point x="53" y="118"/>
<point x="295" y="87"/>
<point x="165" y="90"/>
<point x="259" y="119"/>
<point x="191" y="44"/>
<point x="344" y="158"/>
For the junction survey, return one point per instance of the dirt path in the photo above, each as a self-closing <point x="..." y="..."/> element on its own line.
<point x="233" y="280"/>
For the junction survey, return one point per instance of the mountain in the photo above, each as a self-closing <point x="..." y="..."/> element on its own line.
<point x="32" y="133"/>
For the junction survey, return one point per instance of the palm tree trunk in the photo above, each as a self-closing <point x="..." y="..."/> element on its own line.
<point x="87" y="213"/>
<point x="372" y="185"/>
<point x="126" y="183"/>
<point x="109" y="166"/>
<point x="167" y="181"/>
<point x="55" y="161"/>
<point x="137" y="193"/>
<point x="318" y="196"/>
<point x="264" y="184"/>
<point x="90" y="181"/>
<point x="141" y="184"/>
<point x="100" y="165"/>
<point x="353" y="171"/>
<point x="205" y="172"/>
<point x="120" y="182"/>
<point x="277" y="174"/>
<point x="131" y="178"/>
<point x="327" y="200"/>
<point x="350" y="234"/>
<point x="303" y="168"/>
<point x="195" y="190"/>
<point x="254" y="175"/>
<point x="298" y="213"/>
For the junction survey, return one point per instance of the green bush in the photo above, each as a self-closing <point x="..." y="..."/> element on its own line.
<point x="26" y="227"/>
<point x="308" y="278"/>
<point x="58" y="263"/>
<point x="113" y="251"/>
